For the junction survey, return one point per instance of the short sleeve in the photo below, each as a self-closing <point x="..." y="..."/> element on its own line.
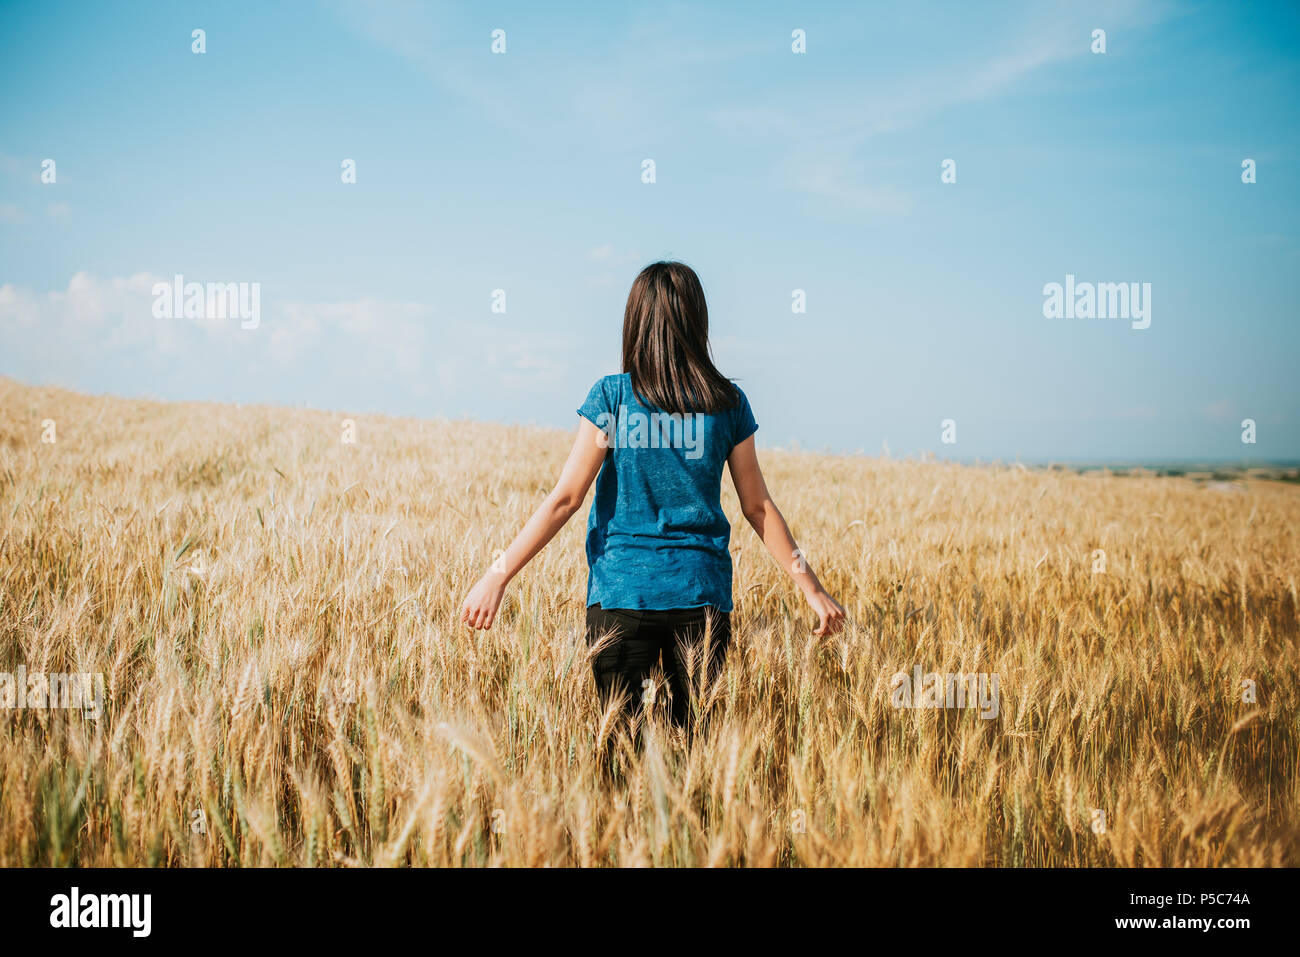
<point x="597" y="408"/>
<point x="743" y="420"/>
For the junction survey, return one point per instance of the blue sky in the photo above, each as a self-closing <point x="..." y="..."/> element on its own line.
<point x="775" y="171"/>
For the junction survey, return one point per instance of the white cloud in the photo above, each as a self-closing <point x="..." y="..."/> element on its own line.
<point x="95" y="318"/>
<point x="100" y="334"/>
<point x="839" y="181"/>
<point x="609" y="255"/>
<point x="379" y="333"/>
<point x="617" y="266"/>
<point x="1219" y="410"/>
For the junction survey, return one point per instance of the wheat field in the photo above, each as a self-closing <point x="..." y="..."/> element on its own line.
<point x="273" y="612"/>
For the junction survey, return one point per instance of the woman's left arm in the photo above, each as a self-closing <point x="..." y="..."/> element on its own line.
<point x="585" y="458"/>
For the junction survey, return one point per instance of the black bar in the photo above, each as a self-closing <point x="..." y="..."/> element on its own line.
<point x="330" y="907"/>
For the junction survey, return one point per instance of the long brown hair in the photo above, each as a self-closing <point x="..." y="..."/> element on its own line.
<point x="666" y="342"/>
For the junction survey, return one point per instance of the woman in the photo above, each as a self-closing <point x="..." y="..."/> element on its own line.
<point x="659" y="434"/>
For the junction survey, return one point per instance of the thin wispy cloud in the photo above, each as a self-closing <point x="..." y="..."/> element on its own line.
<point x="827" y="134"/>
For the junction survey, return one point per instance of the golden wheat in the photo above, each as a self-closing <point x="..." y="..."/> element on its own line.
<point x="273" y="612"/>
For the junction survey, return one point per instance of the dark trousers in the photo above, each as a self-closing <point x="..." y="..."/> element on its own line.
<point x="657" y="657"/>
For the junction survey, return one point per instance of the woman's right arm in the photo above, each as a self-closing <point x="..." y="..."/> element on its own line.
<point x="762" y="513"/>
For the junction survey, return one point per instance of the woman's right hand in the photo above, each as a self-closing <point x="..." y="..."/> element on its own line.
<point x="480" y="607"/>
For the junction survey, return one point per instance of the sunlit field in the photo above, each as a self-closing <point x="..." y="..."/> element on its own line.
<point x="273" y="611"/>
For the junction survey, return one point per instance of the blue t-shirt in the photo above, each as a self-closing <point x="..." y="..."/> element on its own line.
<point x="657" y="536"/>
